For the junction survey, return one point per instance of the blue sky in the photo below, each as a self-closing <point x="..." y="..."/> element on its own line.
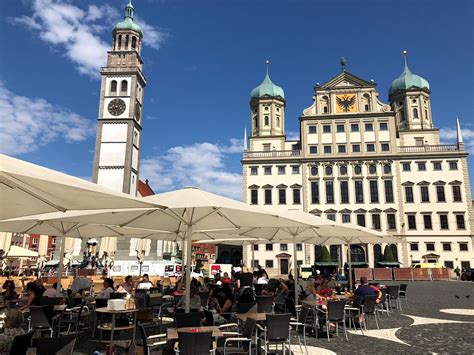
<point x="202" y="59"/>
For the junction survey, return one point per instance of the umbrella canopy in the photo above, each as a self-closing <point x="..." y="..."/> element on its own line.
<point x="29" y="189"/>
<point x="5" y="242"/>
<point x="19" y="252"/>
<point x="42" y="251"/>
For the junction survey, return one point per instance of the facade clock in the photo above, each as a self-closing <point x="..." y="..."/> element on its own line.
<point x="116" y="107"/>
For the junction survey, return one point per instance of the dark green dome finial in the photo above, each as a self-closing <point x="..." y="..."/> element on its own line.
<point x="127" y="23"/>
<point x="343" y="63"/>
<point x="408" y="80"/>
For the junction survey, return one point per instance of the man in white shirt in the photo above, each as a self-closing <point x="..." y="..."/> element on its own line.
<point x="145" y="283"/>
<point x="108" y="289"/>
<point x="52" y="291"/>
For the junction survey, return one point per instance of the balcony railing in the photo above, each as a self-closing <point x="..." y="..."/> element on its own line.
<point x="273" y="154"/>
<point x="429" y="148"/>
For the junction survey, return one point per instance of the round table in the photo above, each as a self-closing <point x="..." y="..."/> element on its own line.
<point x="112" y="328"/>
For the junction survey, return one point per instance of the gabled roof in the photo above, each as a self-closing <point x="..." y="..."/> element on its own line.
<point x="346" y="80"/>
<point x="144" y="189"/>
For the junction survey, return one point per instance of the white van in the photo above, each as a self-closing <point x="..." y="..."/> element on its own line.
<point x="306" y="271"/>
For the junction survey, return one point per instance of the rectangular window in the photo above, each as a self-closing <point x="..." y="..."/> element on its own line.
<point x="331" y="217"/>
<point x="254" y="197"/>
<point x="341" y="148"/>
<point x="296" y="196"/>
<point x="440" y="193"/>
<point x="268" y="197"/>
<point x="283" y="247"/>
<point x="313" y="149"/>
<point x="282" y="196"/>
<point x="344" y="192"/>
<point x="340" y="128"/>
<point x="391" y="221"/>
<point x="356" y="148"/>
<point x="449" y="264"/>
<point x="327" y="149"/>
<point x="443" y="221"/>
<point x="269" y="264"/>
<point x="411" y="221"/>
<point x="314" y="192"/>
<point x="361" y="220"/>
<point x="312" y="129"/>
<point x="374" y="191"/>
<point x="266" y="147"/>
<point x="427" y="221"/>
<point x="346" y="218"/>
<point x="354" y="127"/>
<point x="437" y="166"/>
<point x="299" y="247"/>
<point x="463" y="247"/>
<point x="376" y="221"/>
<point x="421" y="166"/>
<point x="255" y="247"/>
<point x="253" y="170"/>
<point x="383" y="126"/>
<point x="409" y="194"/>
<point x="460" y="221"/>
<point x="385" y="147"/>
<point x="359" y="191"/>
<point x="295" y="169"/>
<point x="453" y="165"/>
<point x="267" y="170"/>
<point x="281" y="170"/>
<point x="413" y="246"/>
<point x="457" y="193"/>
<point x="446" y="246"/>
<point x="406" y="166"/>
<point x="329" y="192"/>
<point x="425" y="195"/>
<point x="369" y="127"/>
<point x="269" y="247"/>
<point x="430" y="247"/>
<point x="371" y="147"/>
<point x="327" y="129"/>
<point x="388" y="191"/>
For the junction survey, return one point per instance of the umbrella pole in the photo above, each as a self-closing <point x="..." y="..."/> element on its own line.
<point x="60" y="266"/>
<point x="350" y="265"/>
<point x="295" y="270"/>
<point x="189" y="243"/>
<point x="253" y="256"/>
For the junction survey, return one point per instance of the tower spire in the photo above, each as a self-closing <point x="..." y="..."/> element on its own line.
<point x="459" y="132"/>
<point x="129" y="10"/>
<point x="245" y="140"/>
<point x="267" y="62"/>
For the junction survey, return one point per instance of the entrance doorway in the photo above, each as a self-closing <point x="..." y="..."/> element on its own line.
<point x="284" y="266"/>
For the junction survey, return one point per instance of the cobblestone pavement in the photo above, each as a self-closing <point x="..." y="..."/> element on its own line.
<point x="419" y="328"/>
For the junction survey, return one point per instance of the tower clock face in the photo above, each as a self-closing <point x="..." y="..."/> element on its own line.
<point x="116" y="107"/>
<point x="346" y="103"/>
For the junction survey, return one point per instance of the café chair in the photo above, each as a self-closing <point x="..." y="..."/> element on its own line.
<point x="242" y="308"/>
<point x="301" y="323"/>
<point x="211" y="323"/>
<point x="369" y="308"/>
<point x="402" y="293"/>
<point x="264" y="304"/>
<point x="242" y="341"/>
<point x="382" y="306"/>
<point x="393" y="295"/>
<point x="195" y="343"/>
<point x="335" y="313"/>
<point x="276" y="332"/>
<point x="21" y="343"/>
<point x="355" y="312"/>
<point x="183" y="320"/>
<point x="38" y="320"/>
<point x="152" y="339"/>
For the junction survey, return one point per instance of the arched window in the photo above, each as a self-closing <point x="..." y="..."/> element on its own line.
<point x="278" y="121"/>
<point x="328" y="170"/>
<point x="113" y="86"/>
<point x="123" y="86"/>
<point x="119" y="41"/>
<point x="415" y="113"/>
<point x="387" y="169"/>
<point x="134" y="42"/>
<point x="394" y="251"/>
<point x="357" y="254"/>
<point x="126" y="42"/>
<point x="325" y="104"/>
<point x="378" y="256"/>
<point x="358" y="170"/>
<point x="325" y="109"/>
<point x="343" y="170"/>
<point x="366" y="102"/>
<point x="372" y="169"/>
<point x="267" y="121"/>
<point x="314" y="170"/>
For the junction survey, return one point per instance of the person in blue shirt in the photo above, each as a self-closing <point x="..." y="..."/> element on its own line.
<point x="365" y="289"/>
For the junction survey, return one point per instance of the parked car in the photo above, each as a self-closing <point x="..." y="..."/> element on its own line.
<point x="468" y="275"/>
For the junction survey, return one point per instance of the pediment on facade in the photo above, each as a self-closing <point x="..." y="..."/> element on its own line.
<point x="330" y="211"/>
<point x="390" y="210"/>
<point x="254" y="186"/>
<point x="423" y="183"/>
<point x="439" y="182"/>
<point x="375" y="210"/>
<point x="281" y="186"/>
<point x="455" y="182"/>
<point x="345" y="210"/>
<point x="296" y="186"/>
<point x="346" y="80"/>
<point x="316" y="211"/>
<point x="267" y="186"/>
<point x="408" y="183"/>
<point x="360" y="210"/>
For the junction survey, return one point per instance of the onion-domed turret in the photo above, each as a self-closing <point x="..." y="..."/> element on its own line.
<point x="408" y="80"/>
<point x="127" y="23"/>
<point x="267" y="89"/>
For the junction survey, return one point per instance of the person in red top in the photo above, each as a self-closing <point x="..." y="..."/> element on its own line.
<point x="226" y="279"/>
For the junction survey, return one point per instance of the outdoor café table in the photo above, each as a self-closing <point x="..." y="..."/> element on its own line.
<point x="173" y="332"/>
<point x="112" y="328"/>
<point x="259" y="317"/>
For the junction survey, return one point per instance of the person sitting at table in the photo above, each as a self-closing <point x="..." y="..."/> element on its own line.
<point x="31" y="290"/>
<point x="205" y="287"/>
<point x="107" y="290"/>
<point x="194" y="301"/>
<point x="226" y="279"/>
<point x="9" y="294"/>
<point x="145" y="283"/>
<point x="223" y="300"/>
<point x="244" y="279"/>
<point x="262" y="277"/>
<point x="12" y="328"/>
<point x="365" y="289"/>
<point x="127" y="286"/>
<point x="52" y="291"/>
<point x="39" y="287"/>
<point x="323" y="290"/>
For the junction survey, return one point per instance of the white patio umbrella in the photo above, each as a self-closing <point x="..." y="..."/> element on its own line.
<point x="19" y="252"/>
<point x="42" y="251"/>
<point x="142" y="248"/>
<point x="28" y="189"/>
<point x="107" y="250"/>
<point x="5" y="243"/>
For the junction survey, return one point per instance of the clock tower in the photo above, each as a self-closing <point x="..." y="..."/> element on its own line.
<point x="117" y="150"/>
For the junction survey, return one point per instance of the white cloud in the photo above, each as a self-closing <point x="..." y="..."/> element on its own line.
<point x="152" y="36"/>
<point x="200" y="164"/>
<point x="26" y="124"/>
<point x="449" y="135"/>
<point x="77" y="32"/>
<point x="293" y="135"/>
